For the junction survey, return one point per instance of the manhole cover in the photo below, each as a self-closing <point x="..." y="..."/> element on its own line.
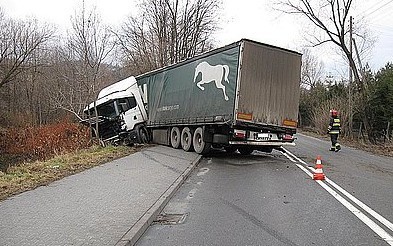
<point x="170" y="219"/>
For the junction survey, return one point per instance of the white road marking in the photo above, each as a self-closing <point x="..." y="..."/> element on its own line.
<point x="377" y="216"/>
<point x="287" y="156"/>
<point x="203" y="171"/>
<point x="371" y="224"/>
<point x="191" y="194"/>
<point x="369" y="210"/>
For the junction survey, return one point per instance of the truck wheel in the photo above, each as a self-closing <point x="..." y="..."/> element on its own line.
<point x="200" y="146"/>
<point x="245" y="150"/>
<point x="143" y="134"/>
<point x="186" y="139"/>
<point x="175" y="137"/>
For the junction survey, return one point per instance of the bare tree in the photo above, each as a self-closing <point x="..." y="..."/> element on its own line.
<point x="91" y="43"/>
<point x="18" y="42"/>
<point x="21" y="43"/>
<point x="79" y="62"/>
<point x="312" y="70"/>
<point x="197" y="21"/>
<point x="65" y="81"/>
<point x="167" y="31"/>
<point x="65" y="90"/>
<point x="332" y="18"/>
<point x="80" y="59"/>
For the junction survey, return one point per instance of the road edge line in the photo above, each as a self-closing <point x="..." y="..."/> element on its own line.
<point x="363" y="217"/>
<point x="366" y="208"/>
<point x="362" y="205"/>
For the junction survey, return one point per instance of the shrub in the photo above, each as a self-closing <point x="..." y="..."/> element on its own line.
<point x="43" y="142"/>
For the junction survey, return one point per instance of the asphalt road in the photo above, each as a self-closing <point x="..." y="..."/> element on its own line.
<point x="270" y="199"/>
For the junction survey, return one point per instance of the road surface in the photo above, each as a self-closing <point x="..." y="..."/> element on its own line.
<point x="270" y="199"/>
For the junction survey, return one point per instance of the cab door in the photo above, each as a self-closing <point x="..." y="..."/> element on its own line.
<point x="130" y="112"/>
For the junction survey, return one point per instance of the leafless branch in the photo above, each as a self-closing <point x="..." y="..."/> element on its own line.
<point x="18" y="42"/>
<point x="331" y="17"/>
<point x="167" y="31"/>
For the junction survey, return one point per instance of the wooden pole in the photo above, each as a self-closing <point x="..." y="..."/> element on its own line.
<point x="350" y="79"/>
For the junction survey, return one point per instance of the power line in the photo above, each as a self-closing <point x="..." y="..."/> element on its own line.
<point x="383" y="16"/>
<point x="372" y="12"/>
<point x="379" y="22"/>
<point x="371" y="7"/>
<point x="382" y="27"/>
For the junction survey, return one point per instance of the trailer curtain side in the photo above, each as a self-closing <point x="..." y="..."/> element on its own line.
<point x="174" y="96"/>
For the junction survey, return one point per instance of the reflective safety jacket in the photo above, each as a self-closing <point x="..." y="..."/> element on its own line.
<point x="334" y="126"/>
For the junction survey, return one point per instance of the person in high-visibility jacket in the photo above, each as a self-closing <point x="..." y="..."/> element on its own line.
<point x="334" y="130"/>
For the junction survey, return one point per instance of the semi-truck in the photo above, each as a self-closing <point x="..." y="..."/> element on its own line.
<point x="243" y="96"/>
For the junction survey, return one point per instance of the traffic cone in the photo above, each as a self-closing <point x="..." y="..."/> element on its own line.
<point x="318" y="174"/>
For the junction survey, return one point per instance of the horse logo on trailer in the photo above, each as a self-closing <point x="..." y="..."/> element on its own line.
<point x="212" y="73"/>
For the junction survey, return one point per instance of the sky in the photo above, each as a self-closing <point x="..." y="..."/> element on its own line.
<point x="252" y="19"/>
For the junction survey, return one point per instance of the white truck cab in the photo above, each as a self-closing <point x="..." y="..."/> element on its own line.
<point x="121" y="113"/>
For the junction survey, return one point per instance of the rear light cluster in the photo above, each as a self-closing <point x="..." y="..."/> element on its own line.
<point x="239" y="134"/>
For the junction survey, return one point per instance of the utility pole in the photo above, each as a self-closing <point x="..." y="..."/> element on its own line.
<point x="350" y="118"/>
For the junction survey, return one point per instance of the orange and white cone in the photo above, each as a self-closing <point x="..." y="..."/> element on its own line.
<point x="318" y="174"/>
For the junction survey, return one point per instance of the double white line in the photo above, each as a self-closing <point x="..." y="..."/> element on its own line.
<point x="366" y="220"/>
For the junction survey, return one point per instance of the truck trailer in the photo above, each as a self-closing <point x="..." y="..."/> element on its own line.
<point x="243" y="96"/>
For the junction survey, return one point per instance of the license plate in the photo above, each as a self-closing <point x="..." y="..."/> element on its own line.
<point x="262" y="136"/>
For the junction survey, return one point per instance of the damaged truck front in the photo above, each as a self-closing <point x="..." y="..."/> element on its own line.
<point x="121" y="114"/>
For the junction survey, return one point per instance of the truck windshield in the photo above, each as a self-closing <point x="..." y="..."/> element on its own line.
<point x="107" y="109"/>
<point x="114" y="108"/>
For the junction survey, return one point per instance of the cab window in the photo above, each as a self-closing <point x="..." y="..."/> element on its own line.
<point x="126" y="103"/>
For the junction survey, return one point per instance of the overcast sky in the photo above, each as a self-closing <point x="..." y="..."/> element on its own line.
<point x="253" y="19"/>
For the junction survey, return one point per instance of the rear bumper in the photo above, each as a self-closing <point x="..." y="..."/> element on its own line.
<point x="253" y="143"/>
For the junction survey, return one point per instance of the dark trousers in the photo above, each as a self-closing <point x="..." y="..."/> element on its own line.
<point x="334" y="139"/>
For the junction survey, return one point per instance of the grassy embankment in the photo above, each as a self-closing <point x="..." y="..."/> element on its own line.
<point x="29" y="175"/>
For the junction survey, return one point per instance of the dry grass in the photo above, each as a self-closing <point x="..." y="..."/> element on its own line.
<point x="27" y="176"/>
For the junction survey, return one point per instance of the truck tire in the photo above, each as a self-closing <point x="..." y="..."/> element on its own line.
<point x="200" y="146"/>
<point x="142" y="134"/>
<point x="175" y="137"/>
<point x="186" y="139"/>
<point x="245" y="150"/>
